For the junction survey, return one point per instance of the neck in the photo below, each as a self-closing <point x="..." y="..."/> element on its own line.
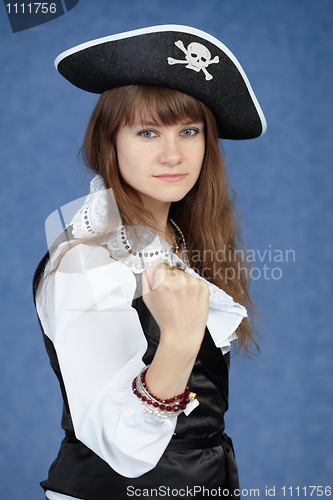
<point x="160" y="212"/>
<point x="162" y="228"/>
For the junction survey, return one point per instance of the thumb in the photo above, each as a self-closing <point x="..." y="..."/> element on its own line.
<point x="153" y="276"/>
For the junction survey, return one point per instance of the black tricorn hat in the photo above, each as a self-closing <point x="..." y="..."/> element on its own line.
<point x="178" y="57"/>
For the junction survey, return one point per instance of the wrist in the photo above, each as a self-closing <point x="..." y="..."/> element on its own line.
<point x="182" y="347"/>
<point x="168" y="374"/>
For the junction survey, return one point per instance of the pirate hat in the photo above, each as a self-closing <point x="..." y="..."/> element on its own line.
<point x="178" y="57"/>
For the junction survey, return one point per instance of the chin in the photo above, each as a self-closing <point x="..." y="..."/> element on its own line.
<point x="172" y="199"/>
<point x="177" y="196"/>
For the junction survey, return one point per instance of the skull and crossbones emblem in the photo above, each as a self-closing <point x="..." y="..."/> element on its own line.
<point x="197" y="57"/>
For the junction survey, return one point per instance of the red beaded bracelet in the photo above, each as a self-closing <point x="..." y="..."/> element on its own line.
<point x="162" y="406"/>
<point x="180" y="397"/>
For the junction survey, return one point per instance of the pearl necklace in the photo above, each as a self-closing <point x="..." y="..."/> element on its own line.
<point x="183" y="243"/>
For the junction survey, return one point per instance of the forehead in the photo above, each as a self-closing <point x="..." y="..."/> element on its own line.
<point x="159" y="105"/>
<point x="159" y="116"/>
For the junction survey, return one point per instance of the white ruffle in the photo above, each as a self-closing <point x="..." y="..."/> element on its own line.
<point x="150" y="247"/>
<point x="90" y="219"/>
<point x="99" y="213"/>
<point x="225" y="315"/>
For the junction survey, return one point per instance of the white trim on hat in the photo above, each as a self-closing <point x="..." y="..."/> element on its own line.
<point x="178" y="28"/>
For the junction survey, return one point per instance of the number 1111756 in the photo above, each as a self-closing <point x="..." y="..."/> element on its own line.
<point x="306" y="491"/>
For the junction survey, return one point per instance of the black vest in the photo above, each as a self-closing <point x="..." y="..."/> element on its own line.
<point x="199" y="454"/>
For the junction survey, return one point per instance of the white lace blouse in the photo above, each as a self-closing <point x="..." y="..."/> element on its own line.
<point x="85" y="309"/>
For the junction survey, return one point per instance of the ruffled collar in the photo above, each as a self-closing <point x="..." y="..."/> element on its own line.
<point x="137" y="247"/>
<point x="139" y="257"/>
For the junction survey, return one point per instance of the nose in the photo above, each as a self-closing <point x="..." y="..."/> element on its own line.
<point x="170" y="153"/>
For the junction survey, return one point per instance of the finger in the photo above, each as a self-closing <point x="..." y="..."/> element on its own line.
<point x="180" y="265"/>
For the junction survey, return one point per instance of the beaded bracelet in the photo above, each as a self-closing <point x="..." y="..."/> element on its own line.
<point x="180" y="397"/>
<point x="160" y="407"/>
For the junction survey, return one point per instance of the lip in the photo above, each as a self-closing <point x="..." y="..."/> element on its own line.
<point x="171" y="177"/>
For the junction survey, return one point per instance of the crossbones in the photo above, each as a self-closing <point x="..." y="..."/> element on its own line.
<point x="197" y="57"/>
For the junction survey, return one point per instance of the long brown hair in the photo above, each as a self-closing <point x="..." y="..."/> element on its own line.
<point x="207" y="215"/>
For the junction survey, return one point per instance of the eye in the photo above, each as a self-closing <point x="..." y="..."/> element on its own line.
<point x="190" y="131"/>
<point x="147" y="134"/>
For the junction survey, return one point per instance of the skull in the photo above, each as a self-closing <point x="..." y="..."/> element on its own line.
<point x="198" y="55"/>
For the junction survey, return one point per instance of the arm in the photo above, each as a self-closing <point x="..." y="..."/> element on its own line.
<point x="99" y="341"/>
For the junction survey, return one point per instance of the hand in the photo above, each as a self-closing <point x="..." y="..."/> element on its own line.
<point x="179" y="304"/>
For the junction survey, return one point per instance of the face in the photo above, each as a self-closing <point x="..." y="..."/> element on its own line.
<point x="161" y="162"/>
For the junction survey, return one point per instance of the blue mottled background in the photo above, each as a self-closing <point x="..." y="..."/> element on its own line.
<point x="280" y="415"/>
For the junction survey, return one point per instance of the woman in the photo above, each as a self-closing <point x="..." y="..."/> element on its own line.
<point x="148" y="261"/>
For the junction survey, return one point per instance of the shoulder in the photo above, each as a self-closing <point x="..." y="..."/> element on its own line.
<point x="88" y="272"/>
<point x="82" y="257"/>
<point x="93" y="264"/>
